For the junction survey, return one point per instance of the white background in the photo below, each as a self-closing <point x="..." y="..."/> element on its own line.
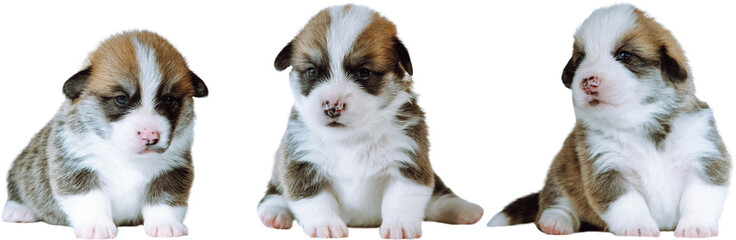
<point x="488" y="75"/>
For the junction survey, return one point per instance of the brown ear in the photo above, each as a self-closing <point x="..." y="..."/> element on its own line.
<point x="403" y="54"/>
<point x="200" y="89"/>
<point x="74" y="86"/>
<point x="569" y="71"/>
<point x="283" y="60"/>
<point x="675" y="68"/>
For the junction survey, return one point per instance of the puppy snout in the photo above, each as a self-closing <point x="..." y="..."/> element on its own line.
<point x="333" y="109"/>
<point x="590" y="85"/>
<point x="149" y="137"/>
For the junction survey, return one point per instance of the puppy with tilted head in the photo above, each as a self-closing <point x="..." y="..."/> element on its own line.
<point x="117" y="153"/>
<point x="645" y="155"/>
<point x="355" y="152"/>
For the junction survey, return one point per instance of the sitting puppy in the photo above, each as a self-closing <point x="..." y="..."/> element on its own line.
<point x="645" y="154"/>
<point x="118" y="150"/>
<point x="355" y="152"/>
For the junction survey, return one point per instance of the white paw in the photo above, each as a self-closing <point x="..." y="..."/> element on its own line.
<point x="636" y="228"/>
<point x="401" y="230"/>
<point x="17" y="213"/>
<point x="101" y="231"/>
<point x="173" y="229"/>
<point x="276" y="219"/>
<point x="332" y="229"/>
<point x="692" y="230"/>
<point x="554" y="223"/>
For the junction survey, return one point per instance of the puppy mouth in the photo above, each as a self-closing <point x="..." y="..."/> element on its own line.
<point x="335" y="124"/>
<point x="152" y="149"/>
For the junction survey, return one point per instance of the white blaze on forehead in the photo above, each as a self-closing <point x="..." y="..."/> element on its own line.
<point x="601" y="31"/>
<point x="345" y="26"/>
<point x="149" y="74"/>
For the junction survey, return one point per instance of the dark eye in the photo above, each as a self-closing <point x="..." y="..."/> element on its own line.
<point x="623" y="56"/>
<point x="312" y="72"/>
<point x="122" y="100"/>
<point x="364" y="73"/>
<point x="169" y="100"/>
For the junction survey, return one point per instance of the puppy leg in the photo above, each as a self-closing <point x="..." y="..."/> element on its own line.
<point x="166" y="203"/>
<point x="620" y="206"/>
<point x="274" y="209"/>
<point x="446" y="207"/>
<point x="16" y="212"/>
<point x="319" y="216"/>
<point x="89" y="214"/>
<point x="700" y="208"/>
<point x="556" y="216"/>
<point x="402" y="211"/>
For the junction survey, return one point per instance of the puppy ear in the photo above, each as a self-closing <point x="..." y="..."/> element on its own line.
<point x="675" y="68"/>
<point x="74" y="86"/>
<point x="569" y="72"/>
<point x="403" y="54"/>
<point x="283" y="60"/>
<point x="200" y="89"/>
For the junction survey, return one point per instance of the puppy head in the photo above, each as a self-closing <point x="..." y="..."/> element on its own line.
<point x="625" y="66"/>
<point x="136" y="92"/>
<point x="348" y="66"/>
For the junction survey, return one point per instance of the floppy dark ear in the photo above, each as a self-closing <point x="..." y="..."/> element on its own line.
<point x="74" y="86"/>
<point x="403" y="54"/>
<point x="283" y="60"/>
<point x="676" y="70"/>
<point x="569" y="72"/>
<point x="200" y="89"/>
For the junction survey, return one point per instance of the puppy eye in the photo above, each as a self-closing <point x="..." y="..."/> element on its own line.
<point x="364" y="73"/>
<point x="122" y="100"/>
<point x="312" y="72"/>
<point x="169" y="100"/>
<point x="623" y="56"/>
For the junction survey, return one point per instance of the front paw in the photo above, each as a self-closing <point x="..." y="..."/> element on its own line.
<point x="646" y="228"/>
<point x="100" y="231"/>
<point x="172" y="229"/>
<point x="693" y="230"/>
<point x="401" y="230"/>
<point x="331" y="229"/>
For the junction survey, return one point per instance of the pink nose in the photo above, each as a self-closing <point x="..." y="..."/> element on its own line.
<point x="149" y="137"/>
<point x="333" y="109"/>
<point x="590" y="85"/>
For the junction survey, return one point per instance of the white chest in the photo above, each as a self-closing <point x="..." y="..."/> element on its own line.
<point x="359" y="172"/>
<point x="661" y="174"/>
<point x="124" y="180"/>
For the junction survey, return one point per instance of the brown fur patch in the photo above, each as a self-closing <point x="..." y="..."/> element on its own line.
<point x="374" y="49"/>
<point x="171" y="187"/>
<point x="312" y="38"/>
<point x="421" y="170"/>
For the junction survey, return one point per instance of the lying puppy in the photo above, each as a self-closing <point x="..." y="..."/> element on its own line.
<point x="645" y="154"/>
<point x="118" y="150"/>
<point x="355" y="152"/>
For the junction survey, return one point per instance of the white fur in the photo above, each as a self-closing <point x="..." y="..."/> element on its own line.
<point x="274" y="212"/>
<point x="149" y="73"/>
<point x="560" y="218"/>
<point x="164" y="220"/>
<point x="404" y="203"/>
<point x="16" y="212"/>
<point x="700" y="208"/>
<point x="345" y="26"/>
<point x="557" y="221"/>
<point x="500" y="219"/>
<point x="319" y="215"/>
<point x="629" y="215"/>
<point x="89" y="214"/>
